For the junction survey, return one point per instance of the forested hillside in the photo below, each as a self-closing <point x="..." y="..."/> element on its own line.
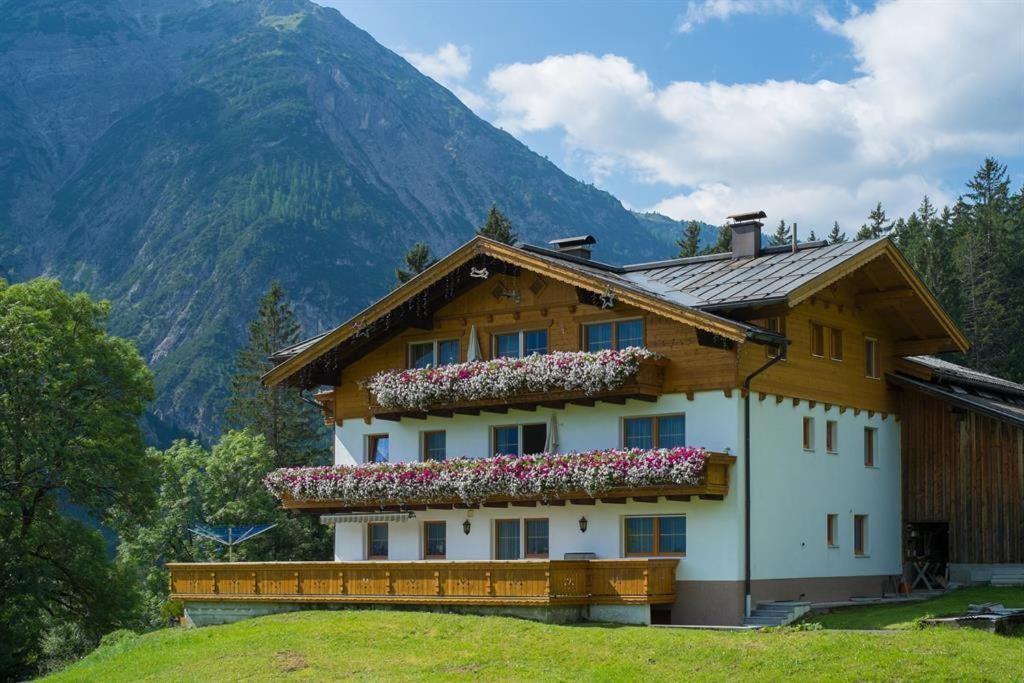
<point x="177" y="157"/>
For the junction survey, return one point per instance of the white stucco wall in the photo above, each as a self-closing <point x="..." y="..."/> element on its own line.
<point x="714" y="545"/>
<point x="793" y="490"/>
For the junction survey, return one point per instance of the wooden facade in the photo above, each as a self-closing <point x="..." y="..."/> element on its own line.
<point x="966" y="470"/>
<point x="543" y="304"/>
<point x="428" y="582"/>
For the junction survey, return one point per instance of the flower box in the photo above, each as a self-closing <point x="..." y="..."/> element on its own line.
<point x="559" y="376"/>
<point x="542" y="477"/>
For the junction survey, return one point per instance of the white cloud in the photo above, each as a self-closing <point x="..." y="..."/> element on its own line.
<point x="449" y="65"/>
<point x="937" y="83"/>
<point x="702" y="11"/>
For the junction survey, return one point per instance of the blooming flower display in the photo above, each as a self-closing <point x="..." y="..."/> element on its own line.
<point x="543" y="475"/>
<point x="505" y="378"/>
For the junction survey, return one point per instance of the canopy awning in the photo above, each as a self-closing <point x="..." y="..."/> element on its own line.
<point x="362" y="518"/>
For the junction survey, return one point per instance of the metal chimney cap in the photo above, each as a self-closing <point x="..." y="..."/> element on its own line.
<point x="569" y="242"/>
<point x="748" y="216"/>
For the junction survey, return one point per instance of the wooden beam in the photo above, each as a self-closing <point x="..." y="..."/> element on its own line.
<point x="886" y="297"/>
<point x="555" y="502"/>
<point x="467" y="411"/>
<point x="440" y="413"/>
<point x="582" y="501"/>
<point x="524" y="503"/>
<point x="556" y="405"/>
<point x="436" y="506"/>
<point x="708" y="496"/>
<point x="531" y="407"/>
<point x="681" y="499"/>
<point x="588" y="402"/>
<point x="613" y="501"/>
<point x="495" y="505"/>
<point x="645" y="499"/>
<point x="617" y="400"/>
<point x="647" y="398"/>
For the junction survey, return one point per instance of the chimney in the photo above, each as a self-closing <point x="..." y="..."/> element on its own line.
<point x="795" y="240"/>
<point x="746" y="234"/>
<point x="578" y="246"/>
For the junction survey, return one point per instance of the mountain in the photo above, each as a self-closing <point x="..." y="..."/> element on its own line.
<point x="175" y="157"/>
<point x="669" y="231"/>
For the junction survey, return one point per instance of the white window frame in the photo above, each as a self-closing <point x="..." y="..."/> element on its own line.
<point x="522" y="340"/>
<point x="436" y="349"/>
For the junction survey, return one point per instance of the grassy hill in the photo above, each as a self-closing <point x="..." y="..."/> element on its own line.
<point x="398" y="646"/>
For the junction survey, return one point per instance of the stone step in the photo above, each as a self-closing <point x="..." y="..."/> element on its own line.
<point x="762" y="621"/>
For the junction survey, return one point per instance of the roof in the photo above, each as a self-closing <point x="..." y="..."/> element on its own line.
<point x="966" y="388"/>
<point x="697" y="291"/>
<point x="393" y="312"/>
<point x="721" y="281"/>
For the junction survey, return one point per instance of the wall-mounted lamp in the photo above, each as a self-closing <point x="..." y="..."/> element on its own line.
<point x="466" y="527"/>
<point x="583" y="525"/>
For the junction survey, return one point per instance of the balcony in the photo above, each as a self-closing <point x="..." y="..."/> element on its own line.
<point x="633" y="581"/>
<point x="712" y="483"/>
<point x="645" y="384"/>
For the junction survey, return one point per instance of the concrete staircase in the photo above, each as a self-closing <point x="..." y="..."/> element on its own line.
<point x="1008" y="578"/>
<point x="776" y="613"/>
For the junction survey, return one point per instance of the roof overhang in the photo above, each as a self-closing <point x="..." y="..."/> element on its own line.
<point x="886" y="249"/>
<point x="482" y="250"/>
<point x="965" y="401"/>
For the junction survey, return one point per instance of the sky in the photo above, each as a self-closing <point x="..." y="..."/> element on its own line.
<point x="811" y="111"/>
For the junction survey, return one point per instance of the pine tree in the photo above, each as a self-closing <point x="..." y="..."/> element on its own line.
<point x="812" y="237"/>
<point x="724" y="242"/>
<point x="878" y="224"/>
<point x="417" y="259"/>
<point x="292" y="427"/>
<point x="837" y="236"/>
<point x="498" y="227"/>
<point x="689" y="245"/>
<point x="982" y="224"/>
<point x="782" y="234"/>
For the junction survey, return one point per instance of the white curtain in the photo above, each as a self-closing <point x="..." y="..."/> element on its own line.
<point x="473" y="352"/>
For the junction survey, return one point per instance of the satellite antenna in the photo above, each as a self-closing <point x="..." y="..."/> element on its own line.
<point x="231" y="535"/>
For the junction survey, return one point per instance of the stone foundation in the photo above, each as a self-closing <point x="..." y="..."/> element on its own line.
<point x="210" y="613"/>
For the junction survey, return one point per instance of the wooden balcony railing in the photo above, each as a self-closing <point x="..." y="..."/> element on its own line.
<point x="507" y="583"/>
<point x="646" y="385"/>
<point x="714" y="486"/>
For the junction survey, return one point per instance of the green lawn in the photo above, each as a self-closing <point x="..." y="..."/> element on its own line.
<point x="904" y="615"/>
<point x="397" y="646"/>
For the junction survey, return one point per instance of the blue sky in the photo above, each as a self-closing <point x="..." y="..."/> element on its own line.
<point x="811" y="110"/>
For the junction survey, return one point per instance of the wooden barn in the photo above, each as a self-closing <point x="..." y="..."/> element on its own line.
<point x="962" y="436"/>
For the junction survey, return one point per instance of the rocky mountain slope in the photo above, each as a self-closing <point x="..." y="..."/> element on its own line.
<point x="175" y="157"/>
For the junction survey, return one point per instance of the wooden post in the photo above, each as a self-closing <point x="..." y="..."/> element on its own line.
<point x="255" y="584"/>
<point x="437" y="583"/>
<point x="298" y="585"/>
<point x="387" y="583"/>
<point x="341" y="583"/>
<point x="213" y="579"/>
<point x="487" y="583"/>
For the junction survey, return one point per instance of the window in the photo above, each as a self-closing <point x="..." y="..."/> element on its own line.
<point x="664" y="431"/>
<point x="506" y="539"/>
<point x="519" y="344"/>
<point x="656" y="535"/>
<point x="831" y="436"/>
<point x="776" y="325"/>
<point x="377" y="537"/>
<point x="377" y="448"/>
<point x="536" y="537"/>
<point x="870" y="439"/>
<point x="832" y="531"/>
<point x="835" y="351"/>
<point x="817" y="340"/>
<point x="443" y="352"/>
<point x="434" y="446"/>
<point x="808" y="433"/>
<point x="871" y="358"/>
<point x="520" y="439"/>
<point x="860" y="535"/>
<point x="434" y="540"/>
<point x="619" y="334"/>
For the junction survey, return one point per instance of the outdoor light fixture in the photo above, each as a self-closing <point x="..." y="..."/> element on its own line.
<point x="583" y="525"/>
<point x="466" y="526"/>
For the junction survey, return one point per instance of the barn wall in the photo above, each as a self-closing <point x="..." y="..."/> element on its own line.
<point x="967" y="470"/>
